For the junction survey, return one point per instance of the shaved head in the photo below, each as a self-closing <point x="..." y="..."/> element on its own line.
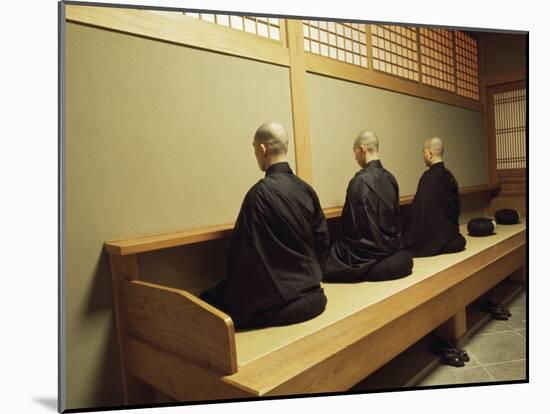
<point x="435" y="146"/>
<point x="273" y="135"/>
<point x="369" y="140"/>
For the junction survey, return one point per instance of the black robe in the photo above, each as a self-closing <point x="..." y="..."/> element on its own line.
<point x="279" y="240"/>
<point x="371" y="224"/>
<point x="433" y="221"/>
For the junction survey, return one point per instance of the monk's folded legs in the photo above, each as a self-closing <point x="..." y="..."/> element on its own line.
<point x="455" y="245"/>
<point x="396" y="266"/>
<point x="301" y="309"/>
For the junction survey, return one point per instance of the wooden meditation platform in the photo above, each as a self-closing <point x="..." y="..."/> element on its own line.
<point x="189" y="350"/>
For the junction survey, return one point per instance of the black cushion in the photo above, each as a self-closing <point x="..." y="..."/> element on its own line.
<point x="507" y="216"/>
<point x="481" y="226"/>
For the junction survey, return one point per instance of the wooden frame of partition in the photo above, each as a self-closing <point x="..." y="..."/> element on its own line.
<point x="288" y="52"/>
<point x="494" y="85"/>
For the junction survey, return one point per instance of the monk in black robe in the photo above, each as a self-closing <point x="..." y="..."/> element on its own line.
<point x="278" y="243"/>
<point x="371" y="246"/>
<point x="433" y="223"/>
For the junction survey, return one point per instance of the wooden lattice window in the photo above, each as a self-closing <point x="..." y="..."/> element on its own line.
<point x="437" y="58"/>
<point x="467" y="72"/>
<point x="261" y="26"/>
<point x="346" y="42"/>
<point x="510" y="109"/>
<point x="395" y="50"/>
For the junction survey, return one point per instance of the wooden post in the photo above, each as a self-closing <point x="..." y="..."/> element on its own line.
<point x="520" y="275"/>
<point x="453" y="328"/>
<point x="486" y="98"/>
<point x="298" y="92"/>
<point x="126" y="268"/>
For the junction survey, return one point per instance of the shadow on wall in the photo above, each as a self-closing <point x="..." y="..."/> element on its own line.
<point x="108" y="378"/>
<point x="194" y="267"/>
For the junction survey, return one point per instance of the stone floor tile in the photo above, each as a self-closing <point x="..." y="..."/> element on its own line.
<point x="497" y="347"/>
<point x="507" y="371"/>
<point x="463" y="375"/>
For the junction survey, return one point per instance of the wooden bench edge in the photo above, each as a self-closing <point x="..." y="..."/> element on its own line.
<point x="378" y="316"/>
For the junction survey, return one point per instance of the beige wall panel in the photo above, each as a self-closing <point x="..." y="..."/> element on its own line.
<point x="158" y="139"/>
<point x="339" y="110"/>
<point x="473" y="205"/>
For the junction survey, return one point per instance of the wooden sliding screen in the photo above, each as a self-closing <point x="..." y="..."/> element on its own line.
<point x="507" y="119"/>
<point x="509" y="109"/>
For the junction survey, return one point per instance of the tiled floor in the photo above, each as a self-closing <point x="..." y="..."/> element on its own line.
<point x="497" y="353"/>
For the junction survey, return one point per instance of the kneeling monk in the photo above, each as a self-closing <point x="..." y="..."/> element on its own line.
<point x="371" y="247"/>
<point x="433" y="224"/>
<point x="279" y="240"/>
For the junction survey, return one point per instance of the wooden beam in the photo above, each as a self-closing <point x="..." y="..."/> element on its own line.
<point x="329" y="67"/>
<point x="124" y="268"/>
<point x="520" y="275"/>
<point x="513" y="173"/>
<point x="164" y="241"/>
<point x="504" y="78"/>
<point x="178" y="28"/>
<point x="181" y="323"/>
<point x="482" y="88"/>
<point x="298" y="92"/>
<point x="490" y="130"/>
<point x="454" y="328"/>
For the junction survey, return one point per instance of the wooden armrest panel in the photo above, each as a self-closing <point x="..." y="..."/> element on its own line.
<point x="182" y="323"/>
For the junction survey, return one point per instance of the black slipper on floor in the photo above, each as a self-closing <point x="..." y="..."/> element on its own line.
<point x="498" y="311"/>
<point x="449" y="351"/>
<point x="500" y="308"/>
<point x="452" y="359"/>
<point x="499" y="316"/>
<point x="463" y="355"/>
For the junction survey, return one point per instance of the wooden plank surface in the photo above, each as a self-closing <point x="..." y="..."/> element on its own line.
<point x="181" y="323"/>
<point x="348" y="299"/>
<point x="162" y="241"/>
